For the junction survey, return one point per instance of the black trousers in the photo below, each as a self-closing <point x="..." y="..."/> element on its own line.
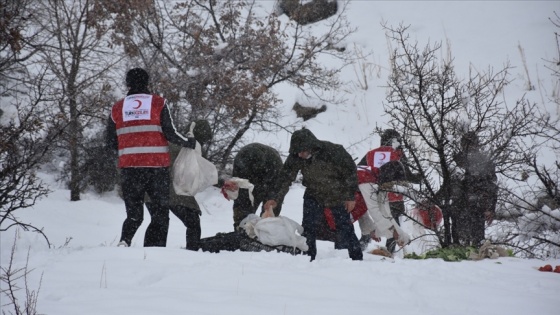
<point x="136" y="182"/>
<point x="191" y="220"/>
<point x="313" y="212"/>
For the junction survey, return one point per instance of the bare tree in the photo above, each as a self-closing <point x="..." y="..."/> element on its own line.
<point x="25" y="139"/>
<point x="531" y="223"/>
<point x="24" y="128"/>
<point x="533" y="216"/>
<point x="14" y="280"/>
<point x="433" y="108"/>
<point x="219" y="60"/>
<point x="18" y="42"/>
<point x="79" y="62"/>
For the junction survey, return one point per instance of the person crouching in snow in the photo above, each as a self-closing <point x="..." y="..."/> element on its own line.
<point x="378" y="171"/>
<point x="329" y="177"/>
<point x="254" y="169"/>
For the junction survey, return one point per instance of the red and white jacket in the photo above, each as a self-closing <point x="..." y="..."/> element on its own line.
<point x="375" y="159"/>
<point x="139" y="133"/>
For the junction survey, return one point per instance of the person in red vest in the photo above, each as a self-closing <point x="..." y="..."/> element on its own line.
<point x="140" y="129"/>
<point x="384" y="208"/>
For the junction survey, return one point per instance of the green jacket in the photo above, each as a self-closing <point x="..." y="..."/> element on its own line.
<point x="329" y="175"/>
<point x="258" y="163"/>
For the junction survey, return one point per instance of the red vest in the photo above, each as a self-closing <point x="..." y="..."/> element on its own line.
<point x="140" y="137"/>
<point x="375" y="158"/>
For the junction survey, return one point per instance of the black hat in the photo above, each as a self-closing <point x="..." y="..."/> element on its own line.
<point x="137" y="78"/>
<point x="388" y="135"/>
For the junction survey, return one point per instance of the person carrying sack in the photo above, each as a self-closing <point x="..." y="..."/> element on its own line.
<point x="140" y="128"/>
<point x="184" y="206"/>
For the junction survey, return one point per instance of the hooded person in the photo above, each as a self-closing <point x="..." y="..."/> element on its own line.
<point x="477" y="194"/>
<point x="330" y="180"/>
<point x="140" y="129"/>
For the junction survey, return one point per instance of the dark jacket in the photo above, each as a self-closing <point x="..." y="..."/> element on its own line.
<point x="479" y="182"/>
<point x="258" y="163"/>
<point x="329" y="175"/>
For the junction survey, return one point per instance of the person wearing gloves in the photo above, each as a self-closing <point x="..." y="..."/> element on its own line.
<point x="140" y="128"/>
<point x="255" y="168"/>
<point x="330" y="180"/>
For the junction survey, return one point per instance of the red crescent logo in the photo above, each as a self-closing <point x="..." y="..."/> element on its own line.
<point x="383" y="156"/>
<point x="139" y="104"/>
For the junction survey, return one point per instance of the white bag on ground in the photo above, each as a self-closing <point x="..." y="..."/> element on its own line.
<point x="275" y="231"/>
<point x="192" y="173"/>
<point x="248" y="224"/>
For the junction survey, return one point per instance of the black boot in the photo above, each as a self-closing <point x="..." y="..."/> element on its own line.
<point x="156" y="233"/>
<point x="192" y="223"/>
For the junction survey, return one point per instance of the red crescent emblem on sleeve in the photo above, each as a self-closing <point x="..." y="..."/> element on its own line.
<point x="139" y="104"/>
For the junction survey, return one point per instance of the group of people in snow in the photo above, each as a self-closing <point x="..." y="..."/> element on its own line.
<point x="337" y="191"/>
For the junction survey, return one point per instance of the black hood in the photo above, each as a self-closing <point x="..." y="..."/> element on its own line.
<point x="303" y="140"/>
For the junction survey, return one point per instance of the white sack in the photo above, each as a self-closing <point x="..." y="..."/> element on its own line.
<point x="280" y="231"/>
<point x="192" y="173"/>
<point x="275" y="231"/>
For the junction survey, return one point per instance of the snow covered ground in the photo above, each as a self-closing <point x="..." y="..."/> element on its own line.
<point x="85" y="273"/>
<point x="90" y="275"/>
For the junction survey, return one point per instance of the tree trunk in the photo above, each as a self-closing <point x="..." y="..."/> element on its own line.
<point x="74" y="158"/>
<point x="74" y="132"/>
